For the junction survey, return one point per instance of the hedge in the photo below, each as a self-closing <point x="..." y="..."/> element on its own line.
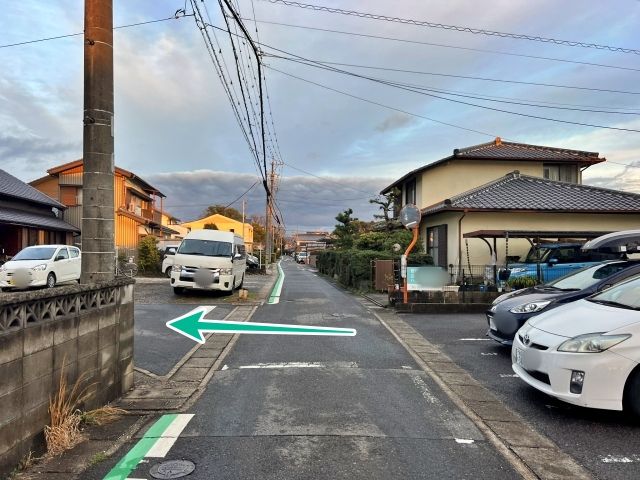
<point x="352" y="268"/>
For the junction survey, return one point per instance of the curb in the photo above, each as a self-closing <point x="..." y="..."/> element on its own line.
<point x="530" y="453"/>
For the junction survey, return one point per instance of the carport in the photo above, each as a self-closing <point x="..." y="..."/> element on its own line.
<point x="534" y="237"/>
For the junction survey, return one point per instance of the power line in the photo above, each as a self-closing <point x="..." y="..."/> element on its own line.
<point x="318" y="176"/>
<point x="243" y="194"/>
<point x="457" y="28"/>
<point x="397" y="85"/>
<point x="179" y="14"/>
<point x="445" y="45"/>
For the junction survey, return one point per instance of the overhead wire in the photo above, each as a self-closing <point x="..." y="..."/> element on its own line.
<point x="457" y="28"/>
<point x="445" y="45"/>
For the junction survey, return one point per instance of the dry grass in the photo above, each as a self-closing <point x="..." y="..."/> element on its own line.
<point x="64" y="431"/>
<point x="102" y="415"/>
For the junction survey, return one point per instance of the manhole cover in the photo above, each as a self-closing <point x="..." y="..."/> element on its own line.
<point x="172" y="469"/>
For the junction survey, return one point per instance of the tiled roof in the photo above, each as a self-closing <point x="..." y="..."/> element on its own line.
<point x="12" y="187"/>
<point x="29" y="219"/>
<point x="499" y="149"/>
<point x="522" y="192"/>
<point x="509" y="151"/>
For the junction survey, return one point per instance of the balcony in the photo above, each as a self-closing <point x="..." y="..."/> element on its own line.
<point x="152" y="215"/>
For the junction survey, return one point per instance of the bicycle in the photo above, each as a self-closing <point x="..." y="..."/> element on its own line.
<point x="126" y="269"/>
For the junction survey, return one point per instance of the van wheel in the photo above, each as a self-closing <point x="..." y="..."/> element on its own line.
<point x="631" y="398"/>
<point x="167" y="272"/>
<point x="51" y="280"/>
<point x="178" y="290"/>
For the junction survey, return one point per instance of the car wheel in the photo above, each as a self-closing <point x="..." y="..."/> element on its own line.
<point x="178" y="290"/>
<point x="51" y="280"/>
<point x="631" y="398"/>
<point x="167" y="272"/>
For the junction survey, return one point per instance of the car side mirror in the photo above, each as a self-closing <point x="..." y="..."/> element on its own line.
<point x="59" y="257"/>
<point x="553" y="261"/>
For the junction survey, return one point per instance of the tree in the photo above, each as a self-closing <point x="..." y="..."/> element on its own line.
<point x="148" y="254"/>
<point x="229" y="212"/>
<point x="259" y="231"/>
<point x="346" y="229"/>
<point x="210" y="226"/>
<point x="387" y="204"/>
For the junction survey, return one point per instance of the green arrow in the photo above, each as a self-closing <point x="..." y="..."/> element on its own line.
<point x="193" y="325"/>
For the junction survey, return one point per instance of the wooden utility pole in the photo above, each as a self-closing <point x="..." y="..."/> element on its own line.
<point x="98" y="245"/>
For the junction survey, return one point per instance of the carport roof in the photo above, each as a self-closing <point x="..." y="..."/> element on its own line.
<point x="516" y="192"/>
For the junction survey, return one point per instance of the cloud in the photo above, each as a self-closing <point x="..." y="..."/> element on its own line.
<point x="306" y="203"/>
<point x="394" y="121"/>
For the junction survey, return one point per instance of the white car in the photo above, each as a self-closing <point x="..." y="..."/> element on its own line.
<point x="168" y="259"/>
<point x="587" y="352"/>
<point x="41" y="265"/>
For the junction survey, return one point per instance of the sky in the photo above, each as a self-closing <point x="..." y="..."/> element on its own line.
<point x="175" y="128"/>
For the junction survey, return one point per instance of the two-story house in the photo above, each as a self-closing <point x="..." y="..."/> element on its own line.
<point x="137" y="204"/>
<point x="226" y="224"/>
<point x="508" y="194"/>
<point x="29" y="217"/>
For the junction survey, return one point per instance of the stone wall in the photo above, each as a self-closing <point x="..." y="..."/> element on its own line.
<point x="437" y="301"/>
<point x="82" y="330"/>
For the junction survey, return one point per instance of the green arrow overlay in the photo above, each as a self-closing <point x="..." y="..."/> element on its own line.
<point x="193" y="325"/>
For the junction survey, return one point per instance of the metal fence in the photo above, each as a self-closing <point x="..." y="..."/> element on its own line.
<point x="494" y="275"/>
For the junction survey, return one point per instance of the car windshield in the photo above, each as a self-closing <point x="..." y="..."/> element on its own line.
<point x="35" y="253"/>
<point x="623" y="295"/>
<point x="586" y="277"/>
<point x="537" y="254"/>
<point x="209" y="248"/>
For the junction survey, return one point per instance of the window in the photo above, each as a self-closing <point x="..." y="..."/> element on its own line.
<point x="410" y="192"/>
<point x="562" y="173"/>
<point x="75" y="253"/>
<point x="63" y="253"/>
<point x="437" y="244"/>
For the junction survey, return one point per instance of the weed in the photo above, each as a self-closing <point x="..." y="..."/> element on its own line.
<point x="97" y="458"/>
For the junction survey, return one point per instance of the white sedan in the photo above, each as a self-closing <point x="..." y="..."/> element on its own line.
<point x="41" y="265"/>
<point x="587" y="352"/>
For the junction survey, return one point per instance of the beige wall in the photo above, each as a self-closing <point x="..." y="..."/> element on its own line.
<point x="478" y="251"/>
<point x="225" y="224"/>
<point x="454" y="177"/>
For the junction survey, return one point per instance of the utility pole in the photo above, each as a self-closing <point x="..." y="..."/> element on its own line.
<point x="98" y="245"/>
<point x="267" y="229"/>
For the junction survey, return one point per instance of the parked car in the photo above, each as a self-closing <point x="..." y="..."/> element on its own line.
<point x="41" y="265"/>
<point x="252" y="261"/>
<point x="510" y="311"/>
<point x="209" y="260"/>
<point x="301" y="257"/>
<point x="167" y="259"/>
<point x="554" y="260"/>
<point x="586" y="353"/>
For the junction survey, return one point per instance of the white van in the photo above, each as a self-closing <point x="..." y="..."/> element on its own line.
<point x="209" y="260"/>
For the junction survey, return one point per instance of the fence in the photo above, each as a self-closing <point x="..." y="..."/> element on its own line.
<point x="479" y="277"/>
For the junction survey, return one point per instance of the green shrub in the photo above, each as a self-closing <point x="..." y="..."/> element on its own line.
<point x="353" y="268"/>
<point x="148" y="255"/>
<point x="522" y="282"/>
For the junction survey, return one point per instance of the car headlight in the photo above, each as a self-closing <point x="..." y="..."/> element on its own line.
<point x="176" y="268"/>
<point x="518" y="270"/>
<point x="226" y="271"/>
<point x="530" y="307"/>
<point x="592" y="343"/>
<point x="40" y="268"/>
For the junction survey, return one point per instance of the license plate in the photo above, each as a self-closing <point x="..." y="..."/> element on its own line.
<point x="518" y="355"/>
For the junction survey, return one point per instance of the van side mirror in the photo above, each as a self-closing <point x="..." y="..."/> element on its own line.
<point x="237" y="256"/>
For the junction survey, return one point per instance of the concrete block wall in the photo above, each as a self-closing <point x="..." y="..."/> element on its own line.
<point x="81" y="331"/>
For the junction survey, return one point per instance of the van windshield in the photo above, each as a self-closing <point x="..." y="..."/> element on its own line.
<point x="208" y="248"/>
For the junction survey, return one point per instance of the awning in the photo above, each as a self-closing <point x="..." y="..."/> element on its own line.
<point x="34" y="220"/>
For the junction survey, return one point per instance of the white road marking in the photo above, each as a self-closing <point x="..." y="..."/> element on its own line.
<point x="464" y="440"/>
<point x="169" y="436"/>
<point x="488" y="354"/>
<point x="406" y="367"/>
<point x="620" y="459"/>
<point x="426" y="393"/>
<point x="508" y="375"/>
<point x="225" y="366"/>
<point x="474" y="339"/>
<point x="303" y="365"/>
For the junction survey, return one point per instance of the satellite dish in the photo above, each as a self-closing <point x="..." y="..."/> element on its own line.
<point x="410" y="216"/>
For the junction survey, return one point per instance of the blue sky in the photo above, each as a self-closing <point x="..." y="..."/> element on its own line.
<point x="175" y="128"/>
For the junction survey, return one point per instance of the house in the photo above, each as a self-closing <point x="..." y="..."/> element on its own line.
<point x="226" y="224"/>
<point x="174" y="228"/>
<point x="137" y="204"/>
<point x="29" y="217"/>
<point x="490" y="201"/>
<point x="307" y="241"/>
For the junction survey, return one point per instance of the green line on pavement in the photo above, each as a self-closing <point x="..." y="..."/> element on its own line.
<point x="277" y="288"/>
<point x="129" y="462"/>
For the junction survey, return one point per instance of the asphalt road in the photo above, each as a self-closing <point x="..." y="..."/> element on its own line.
<point x="292" y="407"/>
<point x="607" y="443"/>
